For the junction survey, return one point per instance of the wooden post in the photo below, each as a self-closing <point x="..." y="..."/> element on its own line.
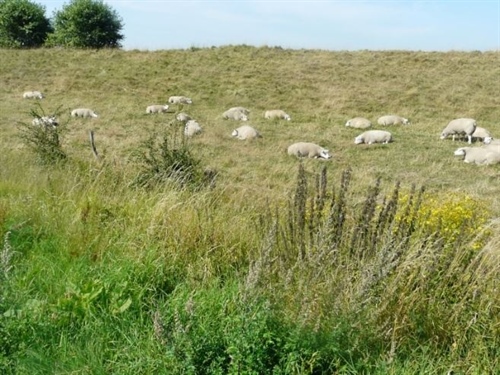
<point x="92" y="144"/>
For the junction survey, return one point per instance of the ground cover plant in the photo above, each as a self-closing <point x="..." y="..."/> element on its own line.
<point x="382" y="260"/>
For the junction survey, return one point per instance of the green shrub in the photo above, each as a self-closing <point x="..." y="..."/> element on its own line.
<point x="86" y="24"/>
<point x="44" y="141"/>
<point x="167" y="158"/>
<point x="23" y="24"/>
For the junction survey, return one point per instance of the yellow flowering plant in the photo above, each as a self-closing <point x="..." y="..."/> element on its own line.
<point x="450" y="216"/>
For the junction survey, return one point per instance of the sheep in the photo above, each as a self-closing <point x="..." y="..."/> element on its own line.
<point x="393" y="120"/>
<point x="491" y="141"/>
<point x="460" y="126"/>
<point x="373" y="136"/>
<point x="192" y="128"/>
<point x="83" y="112"/>
<point x="183" y="117"/>
<point x="180" y="100"/>
<point x="236" y="113"/>
<point x="241" y="109"/>
<point x="479" y="155"/>
<point x="46" y="121"/>
<point x="245" y="132"/>
<point x="157" y="108"/>
<point x="277" y="114"/>
<point x="481" y="133"/>
<point x="33" y="95"/>
<point x="359" y="123"/>
<point x="311" y="150"/>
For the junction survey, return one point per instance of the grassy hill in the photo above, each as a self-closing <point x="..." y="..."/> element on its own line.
<point x="87" y="255"/>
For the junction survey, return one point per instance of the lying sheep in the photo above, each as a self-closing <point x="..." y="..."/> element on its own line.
<point x="359" y="123"/>
<point x="479" y="155"/>
<point x="33" y="95"/>
<point x="156" y="108"/>
<point x="180" y="100"/>
<point x="481" y="134"/>
<point x="46" y="121"/>
<point x="236" y="113"/>
<point x="192" y="128"/>
<point x="373" y="136"/>
<point x="83" y="112"/>
<point x="183" y="117"/>
<point x="310" y="150"/>
<point x="491" y="141"/>
<point x="277" y="114"/>
<point x="393" y="120"/>
<point x="241" y="109"/>
<point x="460" y="126"/>
<point x="245" y="132"/>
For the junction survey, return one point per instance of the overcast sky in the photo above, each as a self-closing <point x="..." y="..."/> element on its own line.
<point x="433" y="25"/>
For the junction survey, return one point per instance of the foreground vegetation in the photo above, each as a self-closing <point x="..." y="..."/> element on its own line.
<point x="384" y="260"/>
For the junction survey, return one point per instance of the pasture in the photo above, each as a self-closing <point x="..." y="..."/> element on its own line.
<point x="85" y="251"/>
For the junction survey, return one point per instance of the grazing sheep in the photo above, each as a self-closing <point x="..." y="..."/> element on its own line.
<point x="179" y="100"/>
<point x="359" y="123"/>
<point x="393" y="120"/>
<point x="83" y="112"/>
<point x="277" y="113"/>
<point x="311" y="150"/>
<point x="183" y="117"/>
<point x="245" y="132"/>
<point x="192" y="128"/>
<point x="46" y="121"/>
<point x="157" y="108"/>
<point x="236" y="113"/>
<point x="479" y="155"/>
<point x="33" y="95"/>
<point x="373" y="136"/>
<point x="482" y="134"/>
<point x="460" y="126"/>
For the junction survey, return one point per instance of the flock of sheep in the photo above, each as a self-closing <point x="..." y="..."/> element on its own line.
<point x="488" y="153"/>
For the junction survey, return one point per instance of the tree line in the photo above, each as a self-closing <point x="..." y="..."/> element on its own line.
<point x="79" y="24"/>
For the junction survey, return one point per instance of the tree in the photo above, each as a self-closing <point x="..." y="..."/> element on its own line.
<point x="23" y="24"/>
<point x="86" y="24"/>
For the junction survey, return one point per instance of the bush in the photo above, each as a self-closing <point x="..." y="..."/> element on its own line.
<point x="43" y="140"/>
<point x="23" y="24"/>
<point x="86" y="24"/>
<point x="167" y="158"/>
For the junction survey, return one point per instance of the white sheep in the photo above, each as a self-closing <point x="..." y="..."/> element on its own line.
<point x="192" y="128"/>
<point x="482" y="134"/>
<point x="33" y="95"/>
<point x="83" y="112"/>
<point x="236" y="113"/>
<point x="393" y="120"/>
<point x="46" y="121"/>
<point x="183" y="117"/>
<point x="491" y="141"/>
<point x="241" y="109"/>
<point x="479" y="155"/>
<point x="359" y="123"/>
<point x="157" y="108"/>
<point x="310" y="150"/>
<point x="180" y="100"/>
<point x="277" y="114"/>
<point x="245" y="132"/>
<point x="460" y="126"/>
<point x="373" y="136"/>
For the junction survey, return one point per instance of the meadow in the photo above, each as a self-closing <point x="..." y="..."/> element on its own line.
<point x="381" y="260"/>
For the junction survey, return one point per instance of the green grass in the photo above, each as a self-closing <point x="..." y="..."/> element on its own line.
<point x="383" y="260"/>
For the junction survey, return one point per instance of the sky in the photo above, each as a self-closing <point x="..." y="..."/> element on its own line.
<point x="337" y="25"/>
